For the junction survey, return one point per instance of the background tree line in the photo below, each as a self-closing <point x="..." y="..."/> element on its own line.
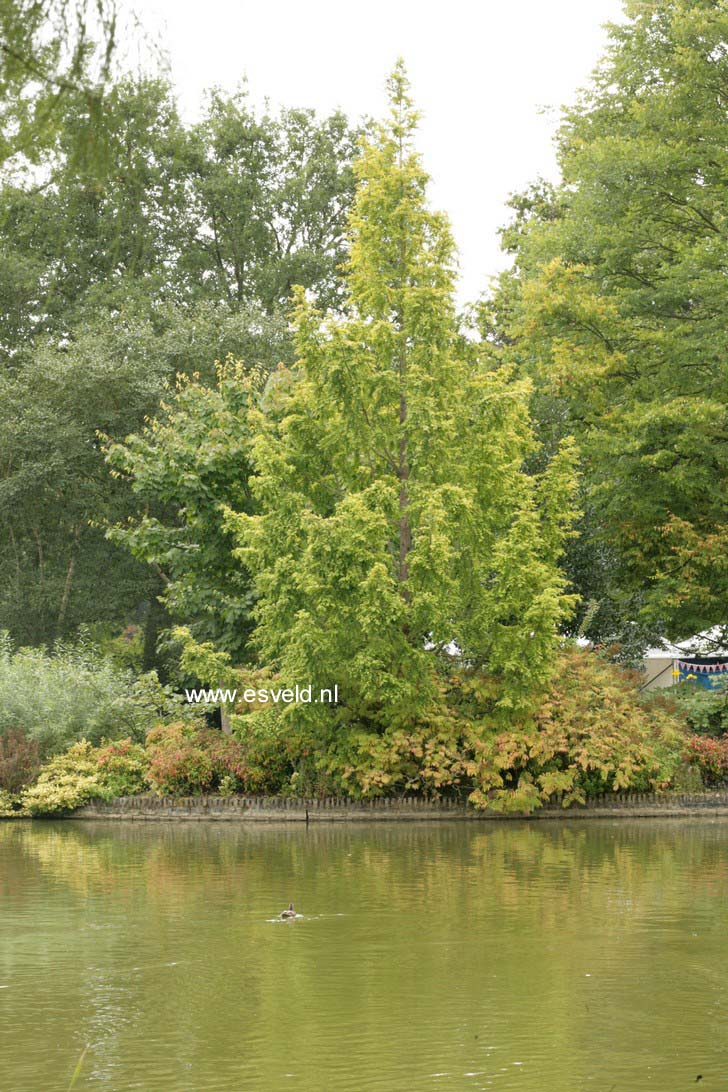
<point x="616" y="304"/>
<point x="180" y="245"/>
<point x="182" y="252"/>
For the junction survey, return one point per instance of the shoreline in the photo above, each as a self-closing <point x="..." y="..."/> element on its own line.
<point x="261" y="809"/>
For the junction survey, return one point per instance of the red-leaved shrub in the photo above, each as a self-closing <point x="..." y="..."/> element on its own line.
<point x="184" y="761"/>
<point x="123" y="765"/>
<point x="19" y="761"/>
<point x="710" y="756"/>
<point x="227" y="756"/>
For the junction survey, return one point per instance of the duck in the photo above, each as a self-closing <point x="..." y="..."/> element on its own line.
<point x="289" y="913"/>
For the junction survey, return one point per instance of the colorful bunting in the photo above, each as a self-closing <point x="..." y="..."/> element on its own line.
<point x="704" y="668"/>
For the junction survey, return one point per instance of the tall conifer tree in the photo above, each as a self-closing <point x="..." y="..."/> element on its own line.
<point x="395" y="516"/>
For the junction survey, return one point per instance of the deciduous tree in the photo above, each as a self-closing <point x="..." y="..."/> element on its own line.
<point x="395" y="516"/>
<point x="617" y="306"/>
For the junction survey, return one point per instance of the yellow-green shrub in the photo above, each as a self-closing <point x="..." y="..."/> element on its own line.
<point x="10" y="804"/>
<point x="589" y="733"/>
<point x="66" y="782"/>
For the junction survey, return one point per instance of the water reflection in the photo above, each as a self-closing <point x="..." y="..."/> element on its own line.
<point x="541" y="957"/>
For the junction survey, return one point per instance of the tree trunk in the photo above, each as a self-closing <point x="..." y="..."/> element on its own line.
<point x="68" y="583"/>
<point x="225" y="720"/>
<point x="152" y="627"/>
<point x="405" y="531"/>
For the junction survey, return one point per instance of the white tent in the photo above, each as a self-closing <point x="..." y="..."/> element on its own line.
<point x="660" y="662"/>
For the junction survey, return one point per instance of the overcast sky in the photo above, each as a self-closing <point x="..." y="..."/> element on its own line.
<point x="481" y="70"/>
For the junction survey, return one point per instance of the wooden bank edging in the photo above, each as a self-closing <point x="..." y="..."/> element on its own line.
<point x="262" y="809"/>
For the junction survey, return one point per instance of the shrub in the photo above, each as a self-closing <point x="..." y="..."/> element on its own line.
<point x="84" y="773"/>
<point x="125" y="648"/>
<point x="687" y="778"/>
<point x="425" y="759"/>
<point x="710" y="756"/>
<point x="705" y="712"/>
<point x="184" y="761"/>
<point x="19" y="761"/>
<point x="123" y="765"/>
<point x="10" y="804"/>
<point x="66" y="782"/>
<point x="589" y="733"/>
<point x="178" y="766"/>
<point x="74" y="693"/>
<point x="272" y="752"/>
<point x="227" y="757"/>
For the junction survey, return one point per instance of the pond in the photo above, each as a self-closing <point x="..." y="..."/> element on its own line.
<point x="542" y="957"/>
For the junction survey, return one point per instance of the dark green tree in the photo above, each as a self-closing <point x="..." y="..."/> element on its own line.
<point x="272" y="193"/>
<point x="107" y="291"/>
<point x="616" y="306"/>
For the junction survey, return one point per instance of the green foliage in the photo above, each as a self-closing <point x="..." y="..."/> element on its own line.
<point x="616" y="306"/>
<point x="174" y="252"/>
<point x="589" y="733"/>
<point x="178" y="760"/>
<point x="223" y="216"/>
<point x="272" y="192"/>
<point x="54" y="482"/>
<point x="56" y="493"/>
<point x="279" y="760"/>
<point x="705" y="711"/>
<point x="395" y="516"/>
<point x="19" y="760"/>
<point x="186" y="465"/>
<point x="184" y="761"/>
<point x="687" y="778"/>
<point x="423" y="760"/>
<point x="123" y="765"/>
<point x="84" y="773"/>
<point x="204" y="662"/>
<point x="710" y="757"/>
<point x="73" y="693"/>
<point x="50" y="49"/>
<point x="125" y="649"/>
<point x="66" y="782"/>
<point x="11" y="804"/>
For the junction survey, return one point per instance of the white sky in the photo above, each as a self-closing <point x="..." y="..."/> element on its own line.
<point x="481" y="74"/>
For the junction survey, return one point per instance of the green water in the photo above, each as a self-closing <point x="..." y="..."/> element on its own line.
<point x="547" y="957"/>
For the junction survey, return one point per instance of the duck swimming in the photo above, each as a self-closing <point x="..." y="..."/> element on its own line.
<point x="289" y="913"/>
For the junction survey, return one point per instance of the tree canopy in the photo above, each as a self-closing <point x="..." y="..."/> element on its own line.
<point x="115" y="278"/>
<point x="395" y="517"/>
<point x="50" y="50"/>
<point x="616" y="307"/>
